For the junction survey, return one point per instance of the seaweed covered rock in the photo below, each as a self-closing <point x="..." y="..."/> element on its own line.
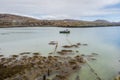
<point x="117" y="78"/>
<point x="60" y="77"/>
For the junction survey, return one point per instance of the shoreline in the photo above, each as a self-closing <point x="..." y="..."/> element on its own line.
<point x="60" y="26"/>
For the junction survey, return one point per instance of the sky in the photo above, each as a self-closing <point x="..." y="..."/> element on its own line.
<point x="64" y="9"/>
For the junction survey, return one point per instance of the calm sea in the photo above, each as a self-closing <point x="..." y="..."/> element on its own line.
<point x="104" y="41"/>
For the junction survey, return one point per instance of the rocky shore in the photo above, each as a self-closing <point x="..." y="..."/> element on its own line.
<point x="34" y="66"/>
<point x="37" y="67"/>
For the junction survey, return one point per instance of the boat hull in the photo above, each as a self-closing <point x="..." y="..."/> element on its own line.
<point x="64" y="31"/>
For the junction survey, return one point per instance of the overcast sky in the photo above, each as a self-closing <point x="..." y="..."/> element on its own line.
<point x="62" y="9"/>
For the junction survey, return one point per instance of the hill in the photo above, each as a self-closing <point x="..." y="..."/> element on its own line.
<point x="10" y="20"/>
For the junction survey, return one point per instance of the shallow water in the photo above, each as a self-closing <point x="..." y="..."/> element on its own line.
<point x="103" y="40"/>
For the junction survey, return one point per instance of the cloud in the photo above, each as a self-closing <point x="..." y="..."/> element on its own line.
<point x="59" y="8"/>
<point x="55" y="17"/>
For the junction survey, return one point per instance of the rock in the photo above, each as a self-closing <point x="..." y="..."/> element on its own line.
<point x="93" y="58"/>
<point x="25" y="53"/>
<point x="85" y="44"/>
<point x="63" y="52"/>
<point x="82" y="54"/>
<point x="36" y="53"/>
<point x="59" y="77"/>
<point x="119" y="60"/>
<point x="1" y="55"/>
<point x="52" y="43"/>
<point x="77" y="51"/>
<point x="117" y="78"/>
<point x="94" y="54"/>
<point x="67" y="46"/>
<point x="78" y="43"/>
<point x="80" y="59"/>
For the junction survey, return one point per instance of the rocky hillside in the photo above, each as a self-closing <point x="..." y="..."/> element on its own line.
<point x="10" y="20"/>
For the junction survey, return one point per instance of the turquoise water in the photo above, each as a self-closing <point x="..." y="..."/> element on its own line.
<point x="103" y="40"/>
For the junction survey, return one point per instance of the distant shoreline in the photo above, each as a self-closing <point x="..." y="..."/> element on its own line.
<point x="58" y="26"/>
<point x="10" y="20"/>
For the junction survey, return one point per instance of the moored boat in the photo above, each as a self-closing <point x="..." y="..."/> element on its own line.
<point x="65" y="31"/>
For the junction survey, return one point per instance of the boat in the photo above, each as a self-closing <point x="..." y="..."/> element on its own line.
<point x="65" y="31"/>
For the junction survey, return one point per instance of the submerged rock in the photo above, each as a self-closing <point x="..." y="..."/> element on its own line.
<point x="52" y="43"/>
<point x="25" y="53"/>
<point x="63" y="52"/>
<point x="77" y="78"/>
<point x="94" y="54"/>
